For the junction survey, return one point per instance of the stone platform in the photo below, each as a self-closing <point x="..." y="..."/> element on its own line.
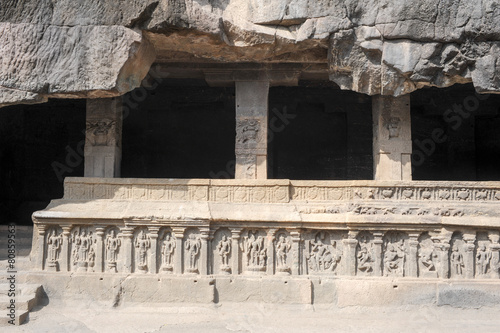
<point x="265" y="228"/>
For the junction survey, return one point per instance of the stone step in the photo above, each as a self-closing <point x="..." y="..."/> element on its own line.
<point x="19" y="320"/>
<point x="26" y="298"/>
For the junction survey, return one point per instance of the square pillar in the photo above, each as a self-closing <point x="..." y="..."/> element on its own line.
<point x="392" y="146"/>
<point x="103" y="137"/>
<point x="251" y="129"/>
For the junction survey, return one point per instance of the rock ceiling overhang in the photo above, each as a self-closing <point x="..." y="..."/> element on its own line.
<point x="104" y="48"/>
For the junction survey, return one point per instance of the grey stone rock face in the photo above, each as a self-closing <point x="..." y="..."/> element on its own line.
<point x="104" y="48"/>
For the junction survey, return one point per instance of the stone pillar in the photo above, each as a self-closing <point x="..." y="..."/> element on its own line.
<point x="494" y="237"/>
<point x="153" y="260"/>
<point x="127" y="234"/>
<point x="179" y="250"/>
<point x="377" y="251"/>
<point x="103" y="137"/>
<point x="251" y="129"/>
<point x="271" y="236"/>
<point x="444" y="257"/>
<point x="99" y="251"/>
<point x="235" y="250"/>
<point x="350" y="244"/>
<point x="65" y="258"/>
<point x="203" y="265"/>
<point x="469" y="238"/>
<point x="295" y="252"/>
<point x="41" y="246"/>
<point x="392" y="146"/>
<point x="413" y="255"/>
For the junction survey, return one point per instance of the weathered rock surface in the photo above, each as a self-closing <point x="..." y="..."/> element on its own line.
<point x="104" y="48"/>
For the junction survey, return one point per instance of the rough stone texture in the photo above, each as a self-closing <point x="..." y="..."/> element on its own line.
<point x="104" y="48"/>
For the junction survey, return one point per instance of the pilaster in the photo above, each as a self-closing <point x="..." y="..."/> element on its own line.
<point x="179" y="249"/>
<point x="392" y="145"/>
<point x="103" y="137"/>
<point x="235" y="250"/>
<point x="377" y="252"/>
<point x="127" y="234"/>
<point x="153" y="256"/>
<point x="251" y="129"/>
<point x="469" y="238"/>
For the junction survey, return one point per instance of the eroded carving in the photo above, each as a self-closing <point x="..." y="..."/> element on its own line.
<point x="322" y="254"/>
<point x="142" y="244"/>
<point x="457" y="251"/>
<point x="193" y="247"/>
<point x="255" y="251"/>
<point x="167" y="250"/>
<point x="54" y="242"/>
<point x="283" y="247"/>
<point x="100" y="133"/>
<point x="365" y="256"/>
<point x="82" y="241"/>
<point x="427" y="257"/>
<point x="224" y="249"/>
<point x="394" y="254"/>
<point x="112" y="245"/>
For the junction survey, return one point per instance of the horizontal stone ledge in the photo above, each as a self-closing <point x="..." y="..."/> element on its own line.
<point x="340" y="292"/>
<point x="277" y="190"/>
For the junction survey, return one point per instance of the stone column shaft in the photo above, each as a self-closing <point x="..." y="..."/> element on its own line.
<point x="153" y="260"/>
<point x="203" y="266"/>
<point x="41" y="246"/>
<point x="392" y="146"/>
<point x="65" y="258"/>
<point x="271" y="235"/>
<point x="251" y="129"/>
<point x="295" y="252"/>
<point x="99" y="252"/>
<point x="469" y="238"/>
<point x="377" y="251"/>
<point x="494" y="237"/>
<point x="103" y="137"/>
<point x="127" y="235"/>
<point x="413" y="255"/>
<point x="235" y="250"/>
<point x="179" y="250"/>
<point x="350" y="254"/>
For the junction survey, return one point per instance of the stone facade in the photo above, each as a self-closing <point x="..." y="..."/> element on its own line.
<point x="272" y="227"/>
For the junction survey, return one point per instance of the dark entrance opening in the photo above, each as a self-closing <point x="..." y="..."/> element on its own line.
<point x="40" y="145"/>
<point x="181" y="129"/>
<point x="319" y="133"/>
<point x="455" y="134"/>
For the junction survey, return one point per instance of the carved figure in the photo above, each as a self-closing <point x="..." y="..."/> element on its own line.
<point x="112" y="247"/>
<point x="98" y="132"/>
<point x="167" y="252"/>
<point x="91" y="259"/>
<point x="394" y="258"/>
<point x="142" y="244"/>
<point x="282" y="248"/>
<point x="193" y="246"/>
<point x="82" y="244"/>
<point x="256" y="253"/>
<point x="457" y="261"/>
<point x="393" y="127"/>
<point x="483" y="258"/>
<point x="247" y="131"/>
<point x="365" y="257"/>
<point x="426" y="257"/>
<point x="54" y="243"/>
<point x="323" y="257"/>
<point x="224" y="248"/>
